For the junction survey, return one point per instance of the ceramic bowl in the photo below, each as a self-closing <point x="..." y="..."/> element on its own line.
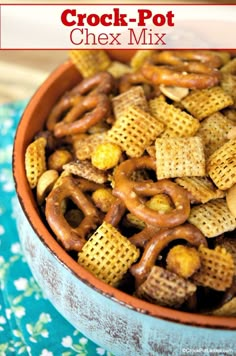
<point x="111" y="318"/>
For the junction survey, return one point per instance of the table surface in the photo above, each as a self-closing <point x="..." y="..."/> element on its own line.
<point x="29" y="324"/>
<point x="23" y="71"/>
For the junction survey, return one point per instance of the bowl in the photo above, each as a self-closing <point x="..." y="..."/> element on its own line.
<point x="119" y="322"/>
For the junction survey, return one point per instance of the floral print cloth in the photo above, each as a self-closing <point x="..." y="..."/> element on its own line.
<point x="29" y="324"/>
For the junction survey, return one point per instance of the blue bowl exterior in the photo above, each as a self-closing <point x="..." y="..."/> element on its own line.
<point x="116" y="327"/>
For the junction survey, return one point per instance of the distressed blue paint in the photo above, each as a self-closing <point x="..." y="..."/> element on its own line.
<point x="117" y="328"/>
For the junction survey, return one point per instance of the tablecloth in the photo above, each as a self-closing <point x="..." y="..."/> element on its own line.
<point x="29" y="324"/>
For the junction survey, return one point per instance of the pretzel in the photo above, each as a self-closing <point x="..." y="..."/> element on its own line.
<point x="71" y="238"/>
<point x="100" y="83"/>
<point x="176" y="77"/>
<point x="128" y="191"/>
<point x="130" y="79"/>
<point x="79" y="120"/>
<point x="141" y="238"/>
<point x="157" y="243"/>
<point x="115" y="213"/>
<point x="192" y="75"/>
<point x="203" y="60"/>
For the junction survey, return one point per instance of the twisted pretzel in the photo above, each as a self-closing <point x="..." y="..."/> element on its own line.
<point x="89" y="111"/>
<point x="131" y="193"/>
<point x="171" y="68"/>
<point x="115" y="213"/>
<point x="137" y="78"/>
<point x="70" y="238"/>
<point x="156" y="244"/>
<point x="100" y="83"/>
<point x="130" y="79"/>
<point x="179" y="57"/>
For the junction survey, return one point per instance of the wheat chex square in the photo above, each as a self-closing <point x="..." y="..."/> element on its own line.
<point x="179" y="157"/>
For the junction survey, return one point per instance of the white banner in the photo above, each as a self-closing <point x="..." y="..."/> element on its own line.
<point x="93" y="26"/>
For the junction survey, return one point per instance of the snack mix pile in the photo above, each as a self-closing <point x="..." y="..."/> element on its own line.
<point x="134" y="174"/>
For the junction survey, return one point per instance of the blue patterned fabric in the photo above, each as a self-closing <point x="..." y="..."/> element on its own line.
<point x="29" y="324"/>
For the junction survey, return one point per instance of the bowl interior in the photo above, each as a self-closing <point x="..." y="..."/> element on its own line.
<point x="32" y="121"/>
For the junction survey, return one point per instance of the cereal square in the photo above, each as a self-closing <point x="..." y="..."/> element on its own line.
<point x="135" y="130"/>
<point x="212" y="218"/>
<point x="214" y="132"/>
<point x="221" y="165"/>
<point x="89" y="62"/>
<point x="134" y="96"/>
<point x="108" y="254"/>
<point x="205" y="102"/>
<point x="178" y="122"/>
<point x="179" y="157"/>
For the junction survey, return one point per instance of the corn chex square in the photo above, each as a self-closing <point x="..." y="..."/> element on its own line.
<point x="108" y="255"/>
<point x="228" y="83"/>
<point x="139" y="58"/>
<point x="212" y="218"/>
<point x="217" y="268"/>
<point x="179" y="157"/>
<point x="229" y="243"/>
<point x="135" y="130"/>
<point x="205" y="102"/>
<point x="229" y="67"/>
<point x="201" y="188"/>
<point x="35" y="160"/>
<point x="221" y="165"/>
<point x="178" y="122"/>
<point x="89" y="62"/>
<point x="214" y="131"/>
